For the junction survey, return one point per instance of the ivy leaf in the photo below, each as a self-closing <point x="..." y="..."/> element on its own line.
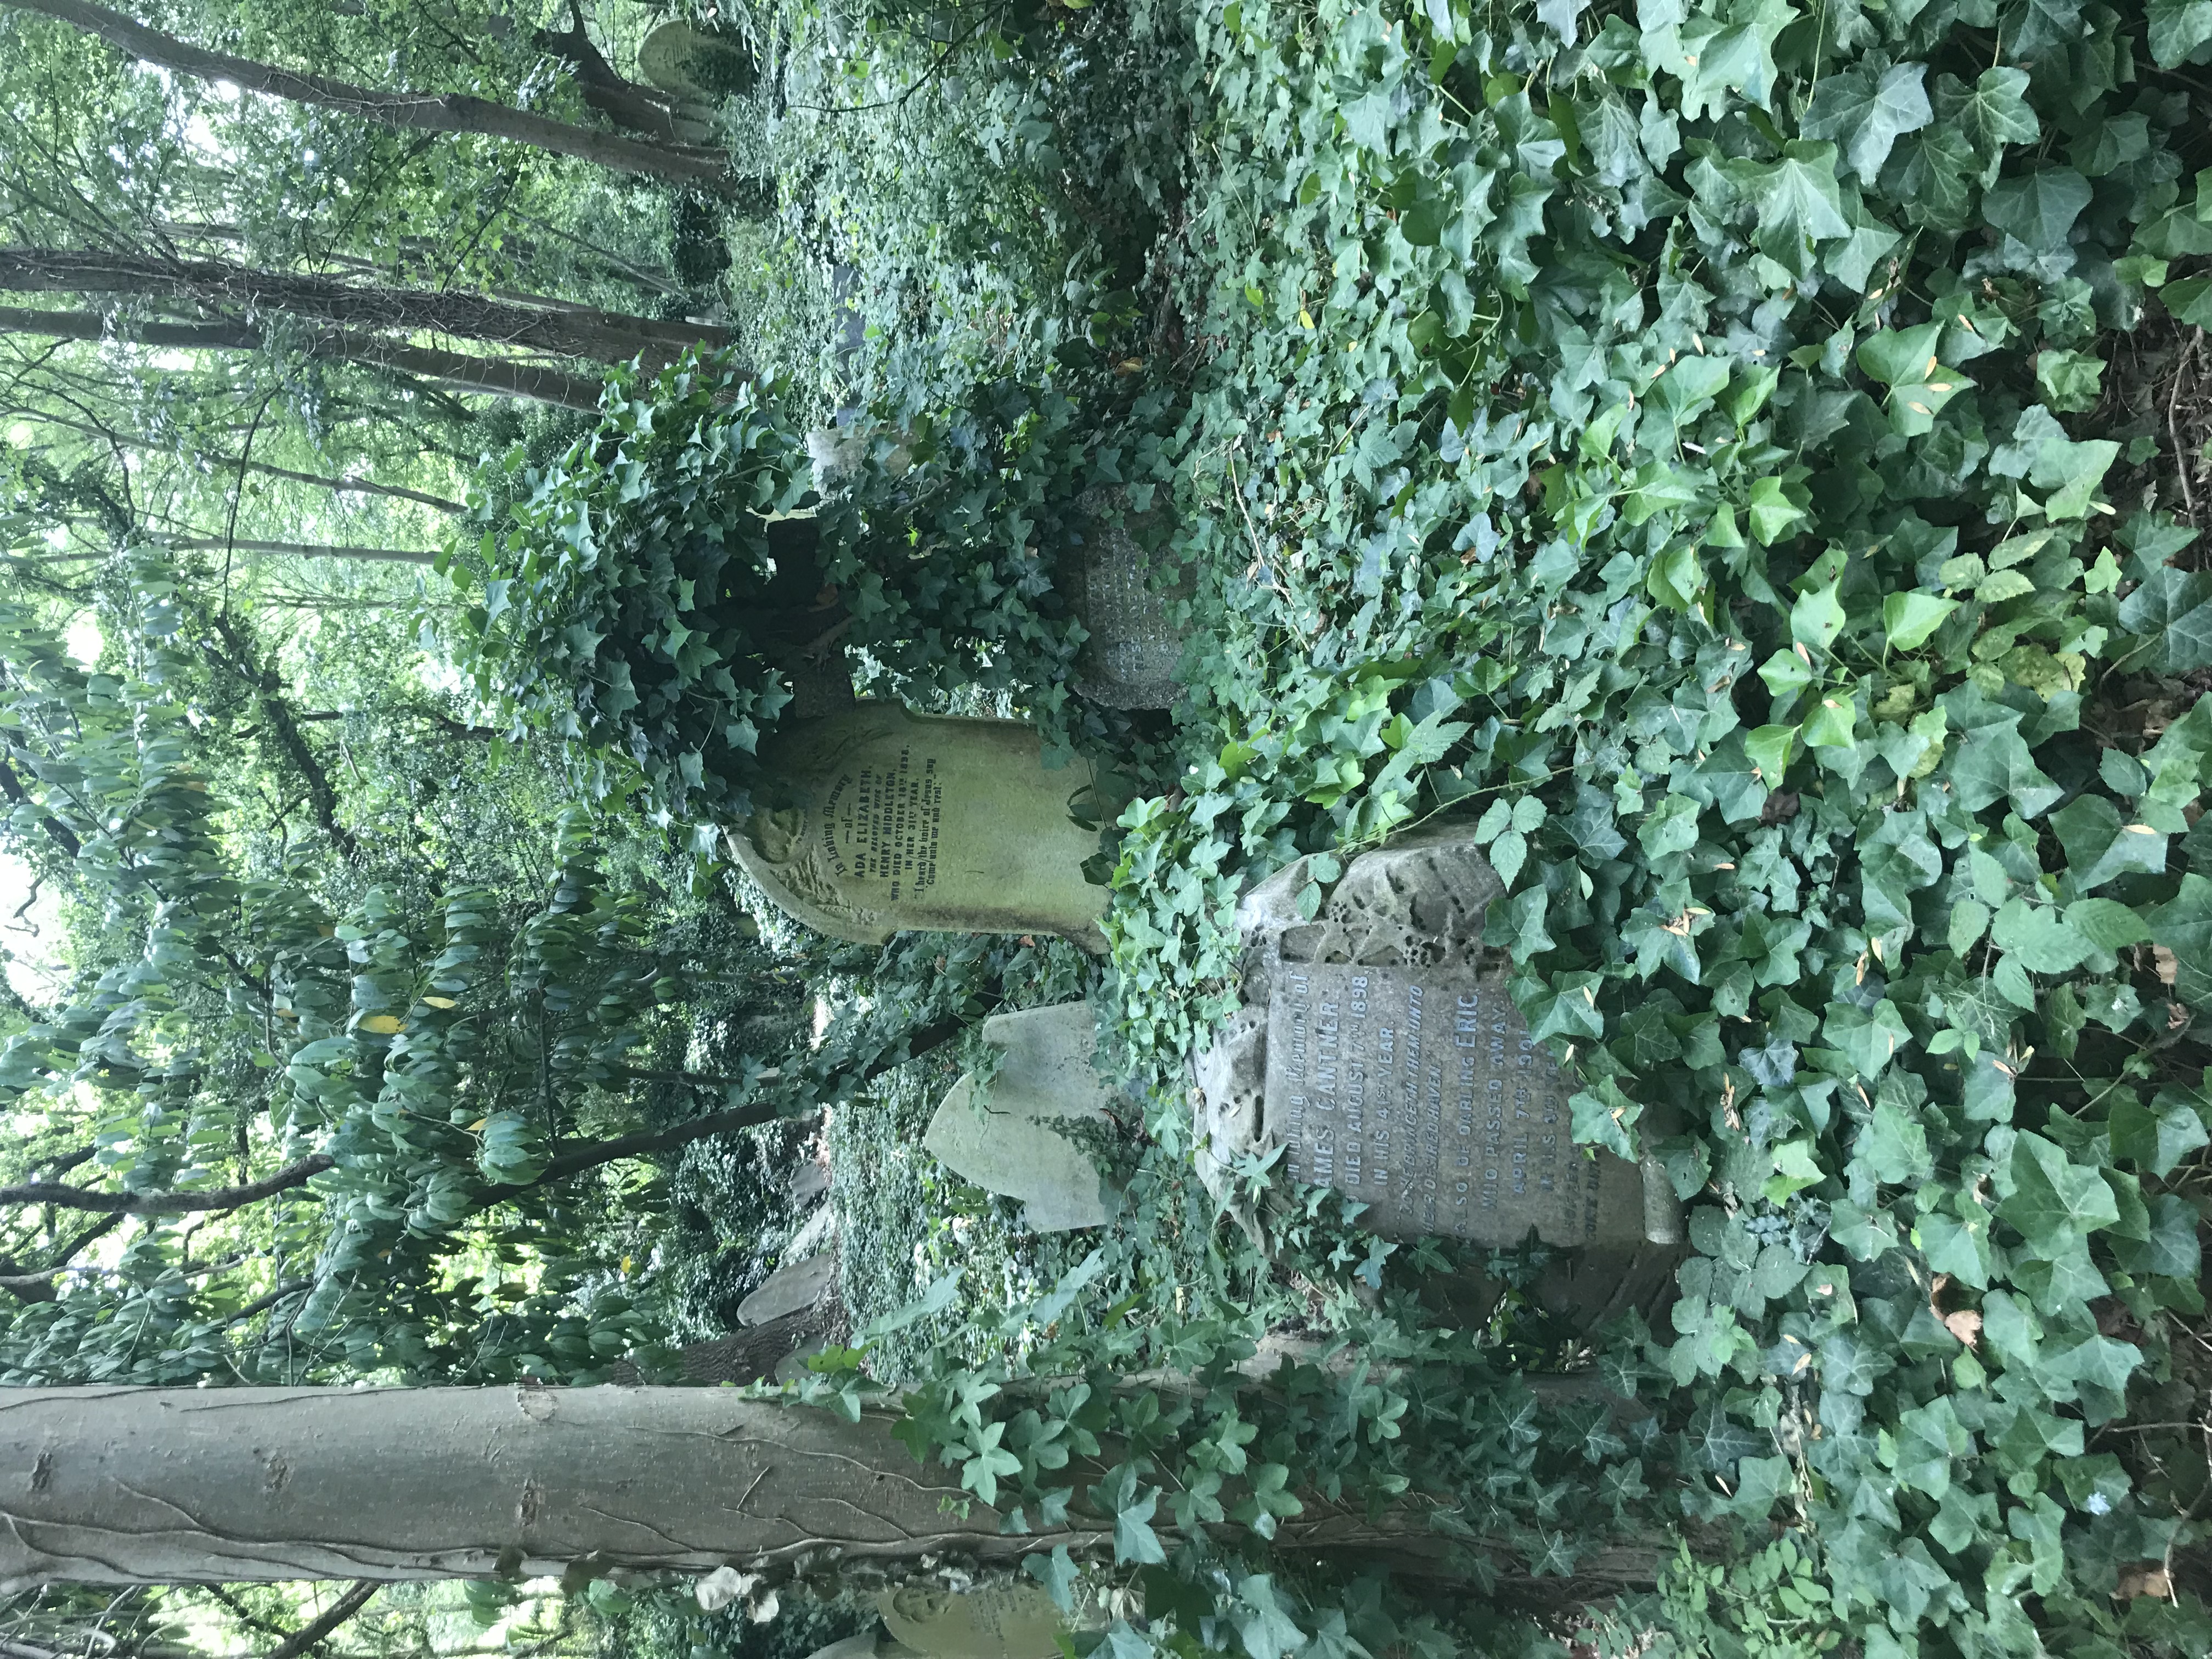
<point x="2055" y="1199"/>
<point x="1263" y="1621"/>
<point x="1604" y="1116"/>
<point x="1134" y="1540"/>
<point x="1909" y="618"/>
<point x="987" y="1461"/>
<point x="1931" y="176"/>
<point x="2044" y="941"/>
<point x="1893" y="1147"/>
<point x="1929" y="1436"/>
<point x="2038" y="208"/>
<point x="2100" y="844"/>
<point x="2188" y="301"/>
<point x="1993" y="762"/>
<point x="1991" y="115"/>
<point x="2070" y="382"/>
<point x="1817" y="617"/>
<point x="2171" y="612"/>
<point x="1566" y="1008"/>
<point x="1797" y="204"/>
<point x="2184" y="926"/>
<point x="1771" y="512"/>
<point x="1561" y="16"/>
<point x="2159" y="1136"/>
<point x="2178" y="28"/>
<point x="1870" y="1039"/>
<point x="2040" y="28"/>
<point x="1057" y="1573"/>
<point x="1867" y="115"/>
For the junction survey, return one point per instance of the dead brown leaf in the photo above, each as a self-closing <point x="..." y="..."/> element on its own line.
<point x="2145" y="1580"/>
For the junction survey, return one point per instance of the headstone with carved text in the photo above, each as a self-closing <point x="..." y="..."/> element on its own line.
<point x="1420" y="1093"/>
<point x="1378" y="1046"/>
<point x="1129" y="661"/>
<point x="881" y="819"/>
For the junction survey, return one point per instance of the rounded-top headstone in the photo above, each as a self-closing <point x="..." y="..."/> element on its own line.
<point x="995" y="1621"/>
<point x="1006" y="1135"/>
<point x="885" y="820"/>
<point x="681" y="58"/>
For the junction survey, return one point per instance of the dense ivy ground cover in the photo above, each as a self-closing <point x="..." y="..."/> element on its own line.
<point x="1675" y="434"/>
<point x="1692" y="443"/>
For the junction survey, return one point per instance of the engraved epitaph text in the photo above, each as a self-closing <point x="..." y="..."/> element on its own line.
<point x="1422" y="1094"/>
<point x="881" y="824"/>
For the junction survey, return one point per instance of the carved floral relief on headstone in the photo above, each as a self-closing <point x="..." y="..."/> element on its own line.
<point x="884" y="819"/>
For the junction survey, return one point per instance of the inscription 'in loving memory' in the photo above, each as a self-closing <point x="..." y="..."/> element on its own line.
<point x="1424" y="1096"/>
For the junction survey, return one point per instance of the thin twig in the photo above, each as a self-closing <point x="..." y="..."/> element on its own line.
<point x="2174" y="424"/>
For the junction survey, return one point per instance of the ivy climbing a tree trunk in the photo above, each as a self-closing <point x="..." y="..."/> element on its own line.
<point x="208" y="1486"/>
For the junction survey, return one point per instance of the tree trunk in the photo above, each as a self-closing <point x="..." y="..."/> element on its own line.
<point x="186" y="1486"/>
<point x="697" y="165"/>
<point x="499" y="376"/>
<point x="603" y="336"/>
<point x="621" y="100"/>
<point x="214" y="1485"/>
<point x="310" y="550"/>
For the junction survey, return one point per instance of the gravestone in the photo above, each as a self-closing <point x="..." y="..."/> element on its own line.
<point x="1002" y="1135"/>
<point x="700" y="67"/>
<point x="795" y="1285"/>
<point x="808" y="1182"/>
<point x="1129" y="661"/>
<point x="992" y="1621"/>
<point x="884" y="819"/>
<point x="1420" y="1093"/>
<point x="1378" y="1047"/>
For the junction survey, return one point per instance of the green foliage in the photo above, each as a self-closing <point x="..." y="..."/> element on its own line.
<point x="1658" y="434"/>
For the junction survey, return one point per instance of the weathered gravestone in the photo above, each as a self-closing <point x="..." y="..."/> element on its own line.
<point x="1129" y="661"/>
<point x="882" y="819"/>
<point x="1004" y="1135"/>
<point x="795" y="1285"/>
<point x="992" y="1621"/>
<point x="699" y="67"/>
<point x="1377" y="1045"/>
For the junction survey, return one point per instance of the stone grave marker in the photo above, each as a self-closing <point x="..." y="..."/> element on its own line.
<point x="1421" y="1093"/>
<point x="1007" y="1140"/>
<point x="993" y="1621"/>
<point x="1129" y="661"/>
<point x="791" y="1287"/>
<point x="1378" y="1047"/>
<point x="882" y="819"/>
<point x="681" y="58"/>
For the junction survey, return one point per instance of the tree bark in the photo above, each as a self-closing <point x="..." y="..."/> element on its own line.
<point x="311" y="549"/>
<point x="188" y="1486"/>
<point x="232" y="464"/>
<point x="267" y="686"/>
<point x="499" y="376"/>
<point x="698" y="166"/>
<point x="384" y="1486"/>
<point x="220" y="1198"/>
<point x="603" y="336"/>
<point x="639" y="109"/>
